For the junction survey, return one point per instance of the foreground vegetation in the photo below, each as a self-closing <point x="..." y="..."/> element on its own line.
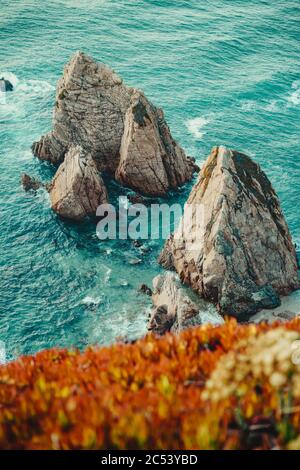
<point x="230" y="387"/>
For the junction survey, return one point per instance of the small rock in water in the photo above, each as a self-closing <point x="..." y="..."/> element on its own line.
<point x="145" y="249"/>
<point x="5" y="85"/>
<point x="29" y="183"/>
<point x="144" y="289"/>
<point x="136" y="199"/>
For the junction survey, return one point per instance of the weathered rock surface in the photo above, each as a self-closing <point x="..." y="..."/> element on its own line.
<point x="91" y="102"/>
<point x="77" y="188"/>
<point x="175" y="308"/>
<point x="243" y="257"/>
<point x="91" y="106"/>
<point x="151" y="162"/>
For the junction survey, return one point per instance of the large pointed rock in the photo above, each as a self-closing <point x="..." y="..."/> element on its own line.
<point x="77" y="188"/>
<point x="91" y="106"/>
<point x="241" y="254"/>
<point x="151" y="162"/>
<point x="91" y="102"/>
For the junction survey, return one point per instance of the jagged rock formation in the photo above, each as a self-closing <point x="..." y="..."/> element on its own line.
<point x="242" y="257"/>
<point x="29" y="183"/>
<point x="150" y="160"/>
<point x="91" y="102"/>
<point x="175" y="309"/>
<point x="77" y="188"/>
<point x="91" y="106"/>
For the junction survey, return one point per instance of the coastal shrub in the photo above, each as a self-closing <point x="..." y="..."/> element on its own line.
<point x="227" y="387"/>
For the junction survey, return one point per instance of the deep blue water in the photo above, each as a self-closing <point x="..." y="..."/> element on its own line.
<point x="225" y="72"/>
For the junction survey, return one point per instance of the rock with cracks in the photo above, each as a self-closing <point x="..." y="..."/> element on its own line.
<point x="77" y="188"/>
<point x="151" y="162"/>
<point x="122" y="131"/>
<point x="240" y="255"/>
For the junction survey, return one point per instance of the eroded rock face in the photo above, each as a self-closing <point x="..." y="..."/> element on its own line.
<point x="151" y="162"/>
<point x="244" y="257"/>
<point x="91" y="106"/>
<point x="174" y="308"/>
<point x="77" y="188"/>
<point x="91" y="102"/>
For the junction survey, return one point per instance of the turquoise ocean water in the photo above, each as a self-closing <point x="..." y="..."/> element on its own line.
<point x="225" y="72"/>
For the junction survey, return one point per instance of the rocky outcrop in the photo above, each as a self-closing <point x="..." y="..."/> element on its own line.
<point x="91" y="102"/>
<point x="91" y="106"/>
<point x="241" y="255"/>
<point x="30" y="183"/>
<point x="150" y="160"/>
<point x="77" y="188"/>
<point x="175" y="308"/>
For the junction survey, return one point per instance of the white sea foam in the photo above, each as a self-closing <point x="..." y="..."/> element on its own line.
<point x="14" y="105"/>
<point x="27" y="87"/>
<point x="26" y="156"/>
<point x="294" y="97"/>
<point x="89" y="300"/>
<point x="2" y="352"/>
<point x="34" y="87"/>
<point x="272" y="106"/>
<point x="107" y="276"/>
<point x="195" y="126"/>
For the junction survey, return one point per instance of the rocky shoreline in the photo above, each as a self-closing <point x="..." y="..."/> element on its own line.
<point x="240" y="257"/>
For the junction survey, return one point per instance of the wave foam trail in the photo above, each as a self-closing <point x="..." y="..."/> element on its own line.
<point x="89" y="300"/>
<point x="196" y="125"/>
<point x="294" y="97"/>
<point x="11" y="77"/>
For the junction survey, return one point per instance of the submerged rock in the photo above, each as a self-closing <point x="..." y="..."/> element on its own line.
<point x="174" y="309"/>
<point x="92" y="104"/>
<point x="5" y="85"/>
<point x="151" y="162"/>
<point x="241" y="256"/>
<point x="77" y="188"/>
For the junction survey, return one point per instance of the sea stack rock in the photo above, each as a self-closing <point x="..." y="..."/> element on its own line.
<point x="151" y="162"/>
<point x="92" y="104"/>
<point x="243" y="258"/>
<point x="77" y="188"/>
<point x="175" y="309"/>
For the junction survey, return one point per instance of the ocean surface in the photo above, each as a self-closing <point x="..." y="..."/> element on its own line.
<point x="225" y="72"/>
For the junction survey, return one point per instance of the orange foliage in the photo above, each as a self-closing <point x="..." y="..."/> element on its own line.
<point x="208" y="388"/>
